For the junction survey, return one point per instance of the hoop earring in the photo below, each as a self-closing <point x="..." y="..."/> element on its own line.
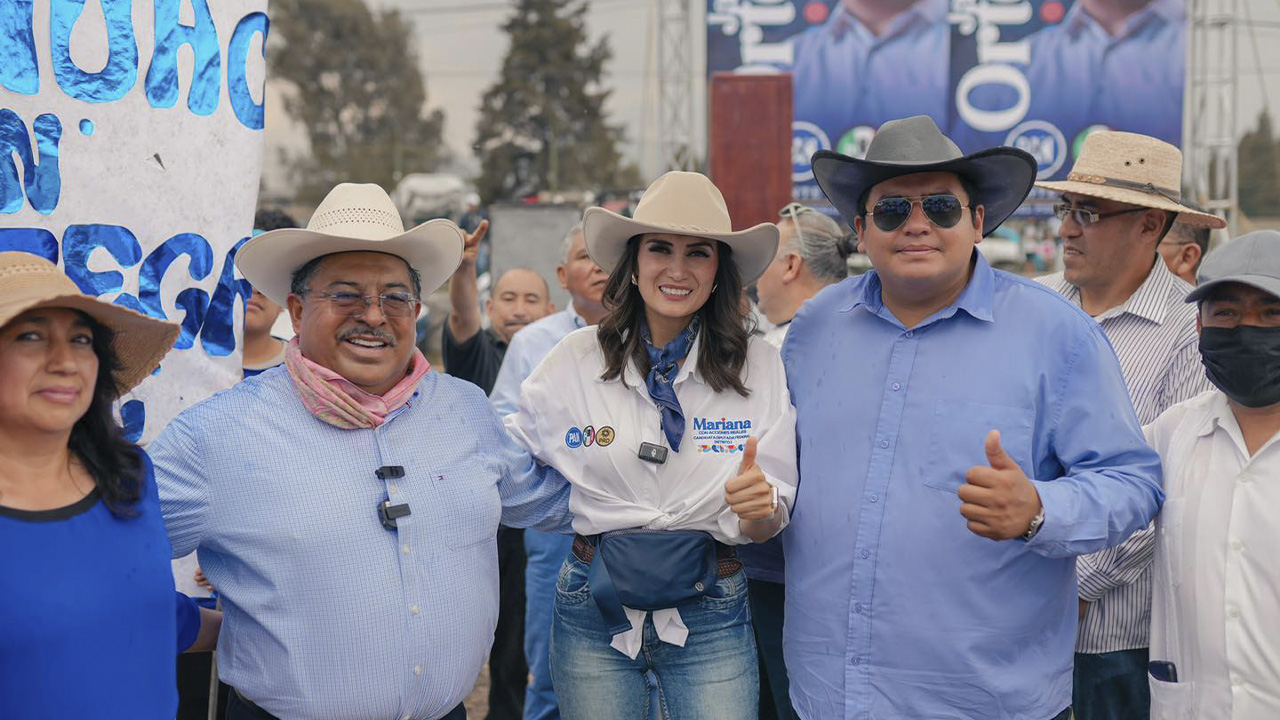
<point x="715" y="287"/>
<point x="633" y="281"/>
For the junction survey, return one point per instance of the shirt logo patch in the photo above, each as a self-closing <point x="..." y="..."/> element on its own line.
<point x="573" y="438"/>
<point x="604" y="436"/>
<point x="723" y="436"/>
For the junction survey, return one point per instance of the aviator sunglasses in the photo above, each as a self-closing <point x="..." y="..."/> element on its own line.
<point x="943" y="210"/>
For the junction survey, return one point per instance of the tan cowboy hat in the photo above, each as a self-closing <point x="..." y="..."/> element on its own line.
<point x="1133" y="169"/>
<point x="29" y="281"/>
<point x="680" y="203"/>
<point x="351" y="218"/>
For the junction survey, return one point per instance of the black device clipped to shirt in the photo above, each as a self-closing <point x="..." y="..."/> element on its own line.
<point x="389" y="472"/>
<point x="389" y="513"/>
<point x="653" y="453"/>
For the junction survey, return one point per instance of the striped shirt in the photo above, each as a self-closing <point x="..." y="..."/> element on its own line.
<point x="1154" y="336"/>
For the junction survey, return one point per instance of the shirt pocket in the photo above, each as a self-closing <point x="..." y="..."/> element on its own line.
<point x="469" y="507"/>
<point x="959" y="431"/>
<point x="1171" y="701"/>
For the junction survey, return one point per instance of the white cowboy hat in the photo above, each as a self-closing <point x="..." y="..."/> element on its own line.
<point x="29" y="281"/>
<point x="680" y="203"/>
<point x="351" y="218"/>
<point x="1133" y="169"/>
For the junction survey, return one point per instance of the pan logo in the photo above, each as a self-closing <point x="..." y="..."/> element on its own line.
<point x="1044" y="142"/>
<point x="806" y="139"/>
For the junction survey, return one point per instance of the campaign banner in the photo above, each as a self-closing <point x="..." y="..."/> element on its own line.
<point x="1035" y="74"/>
<point x="130" y="152"/>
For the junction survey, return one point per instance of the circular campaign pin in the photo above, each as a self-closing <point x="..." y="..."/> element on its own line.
<point x="573" y="438"/>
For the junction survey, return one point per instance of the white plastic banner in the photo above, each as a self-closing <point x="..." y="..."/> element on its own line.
<point x="130" y="151"/>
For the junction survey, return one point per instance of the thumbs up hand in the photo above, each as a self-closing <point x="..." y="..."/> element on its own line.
<point x="998" y="501"/>
<point x="749" y="495"/>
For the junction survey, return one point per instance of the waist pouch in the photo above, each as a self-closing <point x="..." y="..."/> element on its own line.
<point x="649" y="570"/>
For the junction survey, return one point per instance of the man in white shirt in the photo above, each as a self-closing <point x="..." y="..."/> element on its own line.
<point x="1215" y="607"/>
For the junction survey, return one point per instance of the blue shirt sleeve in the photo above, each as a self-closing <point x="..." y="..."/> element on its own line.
<point x="184" y="499"/>
<point x="188" y="615"/>
<point x="515" y="368"/>
<point x="1111" y="482"/>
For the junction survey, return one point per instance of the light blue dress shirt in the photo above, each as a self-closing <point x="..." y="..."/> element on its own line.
<point x="1081" y="76"/>
<point x="845" y="76"/>
<point x="327" y="613"/>
<point x="894" y="608"/>
<point x="528" y="347"/>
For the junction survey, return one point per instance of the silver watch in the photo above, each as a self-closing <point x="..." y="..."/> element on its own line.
<point x="1036" y="522"/>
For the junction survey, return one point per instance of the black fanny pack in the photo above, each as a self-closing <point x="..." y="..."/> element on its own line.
<point x="649" y="570"/>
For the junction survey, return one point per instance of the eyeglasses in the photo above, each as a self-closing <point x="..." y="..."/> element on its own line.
<point x="350" y="304"/>
<point x="943" y="210"/>
<point x="794" y="210"/>
<point x="1084" y="218"/>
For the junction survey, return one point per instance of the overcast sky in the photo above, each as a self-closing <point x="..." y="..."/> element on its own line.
<point x="461" y="46"/>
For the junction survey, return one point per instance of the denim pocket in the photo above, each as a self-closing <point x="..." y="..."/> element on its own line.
<point x="571" y="583"/>
<point x="726" y="593"/>
<point x="959" y="432"/>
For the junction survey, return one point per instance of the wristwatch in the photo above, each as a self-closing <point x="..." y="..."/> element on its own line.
<point x="1036" y="522"/>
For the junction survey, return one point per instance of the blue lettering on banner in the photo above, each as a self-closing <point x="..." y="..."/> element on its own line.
<point x="19" y="68"/>
<point x="120" y="73"/>
<point x="193" y="301"/>
<point x="42" y="181"/>
<point x="249" y="113"/>
<point x="162" y="75"/>
<point x="1044" y="142"/>
<point x="36" y="241"/>
<point x="217" y="336"/>
<point x="573" y="438"/>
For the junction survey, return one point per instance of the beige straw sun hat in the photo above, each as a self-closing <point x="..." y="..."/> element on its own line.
<point x="1133" y="169"/>
<point x="680" y="203"/>
<point x="28" y="282"/>
<point x="351" y="218"/>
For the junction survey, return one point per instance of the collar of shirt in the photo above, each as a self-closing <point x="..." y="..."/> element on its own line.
<point x="578" y="320"/>
<point x="689" y="370"/>
<point x="924" y="13"/>
<point x="1218" y="416"/>
<point x="1167" y="11"/>
<point x="1149" y="302"/>
<point x="976" y="299"/>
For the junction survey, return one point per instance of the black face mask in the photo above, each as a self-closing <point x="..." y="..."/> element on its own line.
<point x="1243" y="362"/>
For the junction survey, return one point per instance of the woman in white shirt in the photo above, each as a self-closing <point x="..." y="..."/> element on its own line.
<point x="676" y="429"/>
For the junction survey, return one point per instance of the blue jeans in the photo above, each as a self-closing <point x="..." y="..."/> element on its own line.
<point x="546" y="552"/>
<point x="1112" y="686"/>
<point x="713" y="676"/>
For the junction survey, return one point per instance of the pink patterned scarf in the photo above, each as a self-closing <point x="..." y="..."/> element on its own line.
<point x="337" y="401"/>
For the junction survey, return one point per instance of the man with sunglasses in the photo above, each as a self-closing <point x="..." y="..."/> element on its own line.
<point x="346" y="504"/>
<point x="964" y="435"/>
<point x="1116" y="206"/>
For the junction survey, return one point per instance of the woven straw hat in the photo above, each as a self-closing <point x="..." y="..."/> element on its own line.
<point x="680" y="203"/>
<point x="1133" y="169"/>
<point x="28" y="281"/>
<point x="351" y="218"/>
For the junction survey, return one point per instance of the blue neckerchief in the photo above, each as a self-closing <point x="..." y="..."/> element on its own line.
<point x="663" y="366"/>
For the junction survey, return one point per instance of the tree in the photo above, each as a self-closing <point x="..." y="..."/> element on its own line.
<point x="359" y="94"/>
<point x="542" y="124"/>
<point x="1259" y="170"/>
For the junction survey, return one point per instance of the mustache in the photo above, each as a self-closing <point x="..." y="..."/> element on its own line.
<point x="368" y="331"/>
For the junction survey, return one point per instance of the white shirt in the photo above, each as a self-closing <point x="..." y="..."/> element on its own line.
<point x="591" y="430"/>
<point x="1216" y="603"/>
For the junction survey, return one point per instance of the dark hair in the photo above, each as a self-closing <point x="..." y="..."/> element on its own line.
<point x="272" y="219"/>
<point x="969" y="186"/>
<point x="302" y="276"/>
<point x="99" y="442"/>
<point x="722" y="351"/>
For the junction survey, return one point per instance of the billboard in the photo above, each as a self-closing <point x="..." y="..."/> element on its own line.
<point x="130" y="151"/>
<point x="1035" y="74"/>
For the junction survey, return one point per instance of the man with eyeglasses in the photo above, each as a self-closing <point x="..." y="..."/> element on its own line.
<point x="1116" y="206"/>
<point x="964" y="435"/>
<point x="346" y="504"/>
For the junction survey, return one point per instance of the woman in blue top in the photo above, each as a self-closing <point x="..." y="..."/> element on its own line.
<point x="90" y="624"/>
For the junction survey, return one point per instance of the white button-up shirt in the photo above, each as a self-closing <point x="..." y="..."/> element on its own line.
<point x="1216" y="604"/>
<point x="591" y="431"/>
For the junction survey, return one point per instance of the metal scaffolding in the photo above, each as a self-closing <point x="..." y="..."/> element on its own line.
<point x="675" y="85"/>
<point x="1210" y="165"/>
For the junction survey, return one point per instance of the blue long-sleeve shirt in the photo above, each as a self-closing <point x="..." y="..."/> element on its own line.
<point x="327" y="612"/>
<point x="894" y="608"/>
